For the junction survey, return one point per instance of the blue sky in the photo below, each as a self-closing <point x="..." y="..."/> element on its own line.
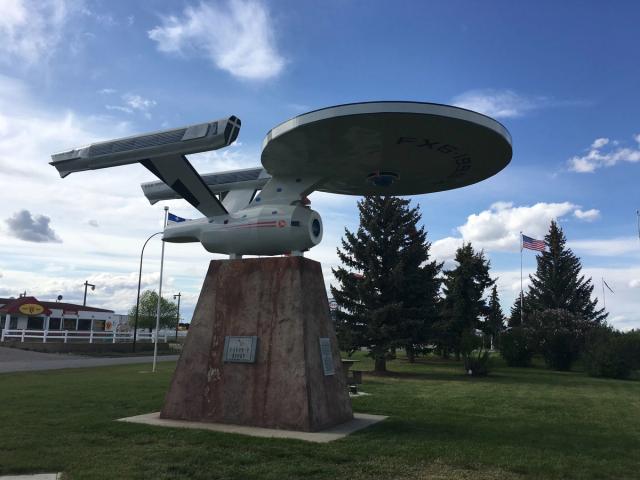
<point x="562" y="77"/>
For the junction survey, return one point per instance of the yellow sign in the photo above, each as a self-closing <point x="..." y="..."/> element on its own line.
<point x="31" y="309"/>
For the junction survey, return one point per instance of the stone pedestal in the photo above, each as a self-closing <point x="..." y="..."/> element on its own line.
<point x="283" y="302"/>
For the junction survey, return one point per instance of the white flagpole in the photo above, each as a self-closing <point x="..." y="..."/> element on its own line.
<point x="604" y="300"/>
<point x="155" y="345"/>
<point x="521" y="292"/>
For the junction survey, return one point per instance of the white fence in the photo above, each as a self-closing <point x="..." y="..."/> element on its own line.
<point x="83" y="336"/>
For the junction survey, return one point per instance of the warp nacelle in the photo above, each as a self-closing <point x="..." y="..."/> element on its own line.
<point x="262" y="230"/>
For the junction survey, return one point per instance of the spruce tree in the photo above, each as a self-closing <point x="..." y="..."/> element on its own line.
<point x="387" y="289"/>
<point x="515" y="315"/>
<point x="558" y="282"/>
<point x="464" y="289"/>
<point x="494" y="324"/>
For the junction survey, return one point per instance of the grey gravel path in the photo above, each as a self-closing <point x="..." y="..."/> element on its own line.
<point x="16" y="360"/>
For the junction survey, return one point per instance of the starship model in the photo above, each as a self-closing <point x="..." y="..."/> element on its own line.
<point x="374" y="148"/>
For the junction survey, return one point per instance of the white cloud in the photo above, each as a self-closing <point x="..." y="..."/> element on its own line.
<point x="133" y="103"/>
<point x="622" y="305"/>
<point x="597" y="157"/>
<point x="237" y="37"/>
<point x="609" y="247"/>
<point x="599" y="142"/>
<point x="106" y="20"/>
<point x="119" y="108"/>
<point x="232" y="158"/>
<point x="445" y="249"/>
<point x="498" y="228"/>
<point x="499" y="103"/>
<point x="31" y="30"/>
<point x="137" y="102"/>
<point x="113" y="291"/>
<point x="587" y="215"/>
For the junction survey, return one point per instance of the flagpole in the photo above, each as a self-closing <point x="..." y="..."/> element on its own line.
<point x="521" y="292"/>
<point x="604" y="300"/>
<point x="638" y="215"/>
<point x="155" y="345"/>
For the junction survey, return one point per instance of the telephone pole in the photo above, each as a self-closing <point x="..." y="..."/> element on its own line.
<point x="87" y="284"/>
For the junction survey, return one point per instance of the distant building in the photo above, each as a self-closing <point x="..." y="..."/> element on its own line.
<point x="29" y="313"/>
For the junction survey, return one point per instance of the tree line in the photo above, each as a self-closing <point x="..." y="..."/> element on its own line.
<point x="391" y="294"/>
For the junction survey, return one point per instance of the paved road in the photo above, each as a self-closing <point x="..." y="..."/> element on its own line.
<point x="16" y="360"/>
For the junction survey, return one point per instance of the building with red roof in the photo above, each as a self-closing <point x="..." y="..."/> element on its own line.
<point x="29" y="313"/>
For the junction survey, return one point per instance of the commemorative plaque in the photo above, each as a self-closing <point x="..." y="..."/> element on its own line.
<point x="240" y="349"/>
<point x="327" y="358"/>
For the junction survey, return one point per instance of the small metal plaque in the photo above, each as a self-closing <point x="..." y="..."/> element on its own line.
<point x="327" y="358"/>
<point x="240" y="349"/>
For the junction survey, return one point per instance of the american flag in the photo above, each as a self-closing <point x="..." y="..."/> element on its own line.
<point x="532" y="243"/>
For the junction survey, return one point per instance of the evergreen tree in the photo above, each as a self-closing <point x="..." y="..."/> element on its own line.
<point x="558" y="282"/>
<point x="387" y="287"/>
<point x="515" y="316"/>
<point x="421" y="295"/>
<point x="464" y="288"/>
<point x="494" y="324"/>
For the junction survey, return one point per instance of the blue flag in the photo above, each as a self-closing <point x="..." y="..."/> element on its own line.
<point x="175" y="219"/>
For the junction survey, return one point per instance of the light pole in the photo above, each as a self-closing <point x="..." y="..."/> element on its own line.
<point x="135" y="322"/>
<point x="155" y="345"/>
<point x="177" y="319"/>
<point x="87" y="284"/>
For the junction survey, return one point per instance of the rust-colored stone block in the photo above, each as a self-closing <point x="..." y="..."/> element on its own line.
<point x="282" y="301"/>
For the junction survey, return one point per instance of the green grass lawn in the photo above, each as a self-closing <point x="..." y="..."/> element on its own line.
<point x="517" y="423"/>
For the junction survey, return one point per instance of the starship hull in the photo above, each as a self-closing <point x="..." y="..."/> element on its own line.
<point x="392" y="148"/>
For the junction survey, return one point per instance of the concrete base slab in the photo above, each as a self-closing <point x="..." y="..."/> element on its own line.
<point x="359" y="421"/>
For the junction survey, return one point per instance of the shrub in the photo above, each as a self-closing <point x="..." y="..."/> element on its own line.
<point x="515" y="347"/>
<point x="632" y="347"/>
<point x="561" y="349"/>
<point x="474" y="355"/>
<point x="560" y="336"/>
<point x="611" y="354"/>
<point x="477" y="363"/>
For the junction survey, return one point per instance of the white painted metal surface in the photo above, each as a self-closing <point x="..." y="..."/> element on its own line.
<point x="386" y="148"/>
<point x="428" y="147"/>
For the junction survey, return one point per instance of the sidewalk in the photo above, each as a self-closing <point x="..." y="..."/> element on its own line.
<point x="16" y="360"/>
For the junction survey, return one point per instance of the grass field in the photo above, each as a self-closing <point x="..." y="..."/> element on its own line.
<point x="517" y="423"/>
